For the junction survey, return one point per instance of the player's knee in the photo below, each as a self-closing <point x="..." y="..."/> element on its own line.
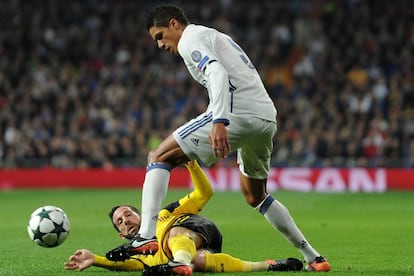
<point x="181" y="231"/>
<point x="253" y="200"/>
<point x="199" y="262"/>
<point x="153" y="156"/>
<point x="254" y="190"/>
<point x="249" y="199"/>
<point x="178" y="230"/>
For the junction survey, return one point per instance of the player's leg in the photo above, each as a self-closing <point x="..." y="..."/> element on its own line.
<point x="254" y="162"/>
<point x="182" y="244"/>
<point x="221" y="262"/>
<point x="160" y="162"/>
<point x="276" y="214"/>
<point x="279" y="217"/>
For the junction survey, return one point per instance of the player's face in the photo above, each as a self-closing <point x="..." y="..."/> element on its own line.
<point x="167" y="37"/>
<point x="127" y="221"/>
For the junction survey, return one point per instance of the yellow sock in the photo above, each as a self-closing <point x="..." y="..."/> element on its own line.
<point x="182" y="248"/>
<point x="220" y="262"/>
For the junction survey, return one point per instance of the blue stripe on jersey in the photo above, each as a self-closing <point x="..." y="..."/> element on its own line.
<point x="195" y="125"/>
<point x="202" y="63"/>
<point x="158" y="165"/>
<point x="266" y="204"/>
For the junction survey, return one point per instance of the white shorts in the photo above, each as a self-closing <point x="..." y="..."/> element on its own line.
<point x="252" y="137"/>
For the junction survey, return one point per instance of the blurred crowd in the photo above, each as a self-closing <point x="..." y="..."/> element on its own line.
<point x="83" y="85"/>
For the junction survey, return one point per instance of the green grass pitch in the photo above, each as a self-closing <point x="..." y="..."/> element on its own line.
<point x="360" y="234"/>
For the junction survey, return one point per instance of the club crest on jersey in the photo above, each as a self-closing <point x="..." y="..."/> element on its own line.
<point x="196" y="55"/>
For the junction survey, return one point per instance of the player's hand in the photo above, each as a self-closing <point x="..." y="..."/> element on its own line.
<point x="80" y="260"/>
<point x="192" y="164"/>
<point x="219" y="140"/>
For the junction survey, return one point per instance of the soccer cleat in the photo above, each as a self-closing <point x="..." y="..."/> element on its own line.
<point x="320" y="264"/>
<point x="118" y="254"/>
<point x="136" y="245"/>
<point x="180" y="268"/>
<point x="157" y="270"/>
<point x="144" y="246"/>
<point x="289" y="264"/>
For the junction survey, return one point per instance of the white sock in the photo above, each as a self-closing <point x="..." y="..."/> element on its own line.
<point x="153" y="193"/>
<point x="182" y="256"/>
<point x="278" y="216"/>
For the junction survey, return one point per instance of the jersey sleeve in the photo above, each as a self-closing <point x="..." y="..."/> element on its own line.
<point x="135" y="263"/>
<point x="218" y="86"/>
<point x="127" y="265"/>
<point x="202" y="188"/>
<point x="199" y="53"/>
<point x="197" y="199"/>
<point x="193" y="202"/>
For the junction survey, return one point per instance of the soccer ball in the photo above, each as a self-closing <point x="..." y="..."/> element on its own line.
<point x="48" y="226"/>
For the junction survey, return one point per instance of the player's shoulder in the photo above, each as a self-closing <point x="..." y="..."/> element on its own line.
<point x="195" y="29"/>
<point x="196" y="34"/>
<point x="195" y="37"/>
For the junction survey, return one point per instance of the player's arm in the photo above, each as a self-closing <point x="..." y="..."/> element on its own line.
<point x="193" y="202"/>
<point x="127" y="265"/>
<point x="135" y="263"/>
<point x="83" y="258"/>
<point x="218" y="87"/>
<point x="202" y="188"/>
<point x="200" y="52"/>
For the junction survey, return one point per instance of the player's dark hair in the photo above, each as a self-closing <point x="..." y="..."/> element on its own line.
<point x="161" y="15"/>
<point x="111" y="213"/>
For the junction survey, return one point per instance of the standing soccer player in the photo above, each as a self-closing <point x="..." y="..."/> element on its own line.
<point x="240" y="116"/>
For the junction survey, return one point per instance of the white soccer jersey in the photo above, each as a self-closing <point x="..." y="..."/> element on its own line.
<point x="236" y="86"/>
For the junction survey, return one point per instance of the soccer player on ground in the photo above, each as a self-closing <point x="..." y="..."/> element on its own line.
<point x="240" y="116"/>
<point x="188" y="241"/>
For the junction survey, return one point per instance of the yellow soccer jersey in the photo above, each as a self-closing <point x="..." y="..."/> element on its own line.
<point x="135" y="263"/>
<point x="192" y="203"/>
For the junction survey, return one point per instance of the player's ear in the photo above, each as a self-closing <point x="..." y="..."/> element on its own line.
<point x="174" y="24"/>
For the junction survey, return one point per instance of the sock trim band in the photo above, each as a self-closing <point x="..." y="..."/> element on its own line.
<point x="266" y="203"/>
<point x="158" y="165"/>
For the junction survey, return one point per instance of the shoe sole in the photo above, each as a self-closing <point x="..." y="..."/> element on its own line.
<point x="182" y="271"/>
<point x="148" y="248"/>
<point x="319" y="267"/>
